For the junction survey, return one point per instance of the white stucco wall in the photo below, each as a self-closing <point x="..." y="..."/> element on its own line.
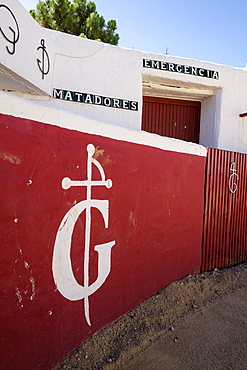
<point x="233" y="129"/>
<point x="101" y="70"/>
<point x="23" y="62"/>
<point x="210" y="120"/>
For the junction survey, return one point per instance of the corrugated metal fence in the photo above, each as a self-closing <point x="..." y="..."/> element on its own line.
<point x="225" y="219"/>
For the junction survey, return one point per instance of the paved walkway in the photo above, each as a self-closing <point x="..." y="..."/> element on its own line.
<point x="214" y="337"/>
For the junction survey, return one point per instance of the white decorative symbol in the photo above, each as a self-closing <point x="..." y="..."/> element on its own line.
<point x="232" y="183"/>
<point x="61" y="265"/>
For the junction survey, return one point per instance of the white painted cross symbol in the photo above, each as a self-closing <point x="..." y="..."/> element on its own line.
<point x="61" y="265"/>
<point x="233" y="178"/>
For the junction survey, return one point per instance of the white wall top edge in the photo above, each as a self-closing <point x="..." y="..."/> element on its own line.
<point x="88" y="69"/>
<point x="20" y="107"/>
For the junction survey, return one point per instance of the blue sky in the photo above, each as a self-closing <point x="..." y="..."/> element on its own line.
<point x="212" y="30"/>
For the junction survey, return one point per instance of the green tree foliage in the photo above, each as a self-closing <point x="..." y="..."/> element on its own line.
<point x="77" y="17"/>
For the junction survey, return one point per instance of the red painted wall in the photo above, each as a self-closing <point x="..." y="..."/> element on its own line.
<point x="155" y="219"/>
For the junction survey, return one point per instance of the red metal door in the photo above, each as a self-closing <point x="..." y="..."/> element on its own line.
<point x="179" y="119"/>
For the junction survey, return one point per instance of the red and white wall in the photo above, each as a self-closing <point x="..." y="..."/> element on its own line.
<point x="96" y="215"/>
<point x="77" y="254"/>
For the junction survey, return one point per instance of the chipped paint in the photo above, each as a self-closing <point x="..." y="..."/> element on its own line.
<point x="18" y="294"/>
<point x="32" y="281"/>
<point x="19" y="297"/>
<point x="132" y="219"/>
<point x="10" y="157"/>
<point x="168" y="207"/>
<point x="107" y="160"/>
<point x="26" y="265"/>
<point x="98" y="152"/>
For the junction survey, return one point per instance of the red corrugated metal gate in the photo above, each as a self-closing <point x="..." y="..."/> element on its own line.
<point x="179" y="119"/>
<point x="224" y="236"/>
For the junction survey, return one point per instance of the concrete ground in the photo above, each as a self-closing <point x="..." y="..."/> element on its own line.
<point x="197" y="323"/>
<point x="214" y="337"/>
